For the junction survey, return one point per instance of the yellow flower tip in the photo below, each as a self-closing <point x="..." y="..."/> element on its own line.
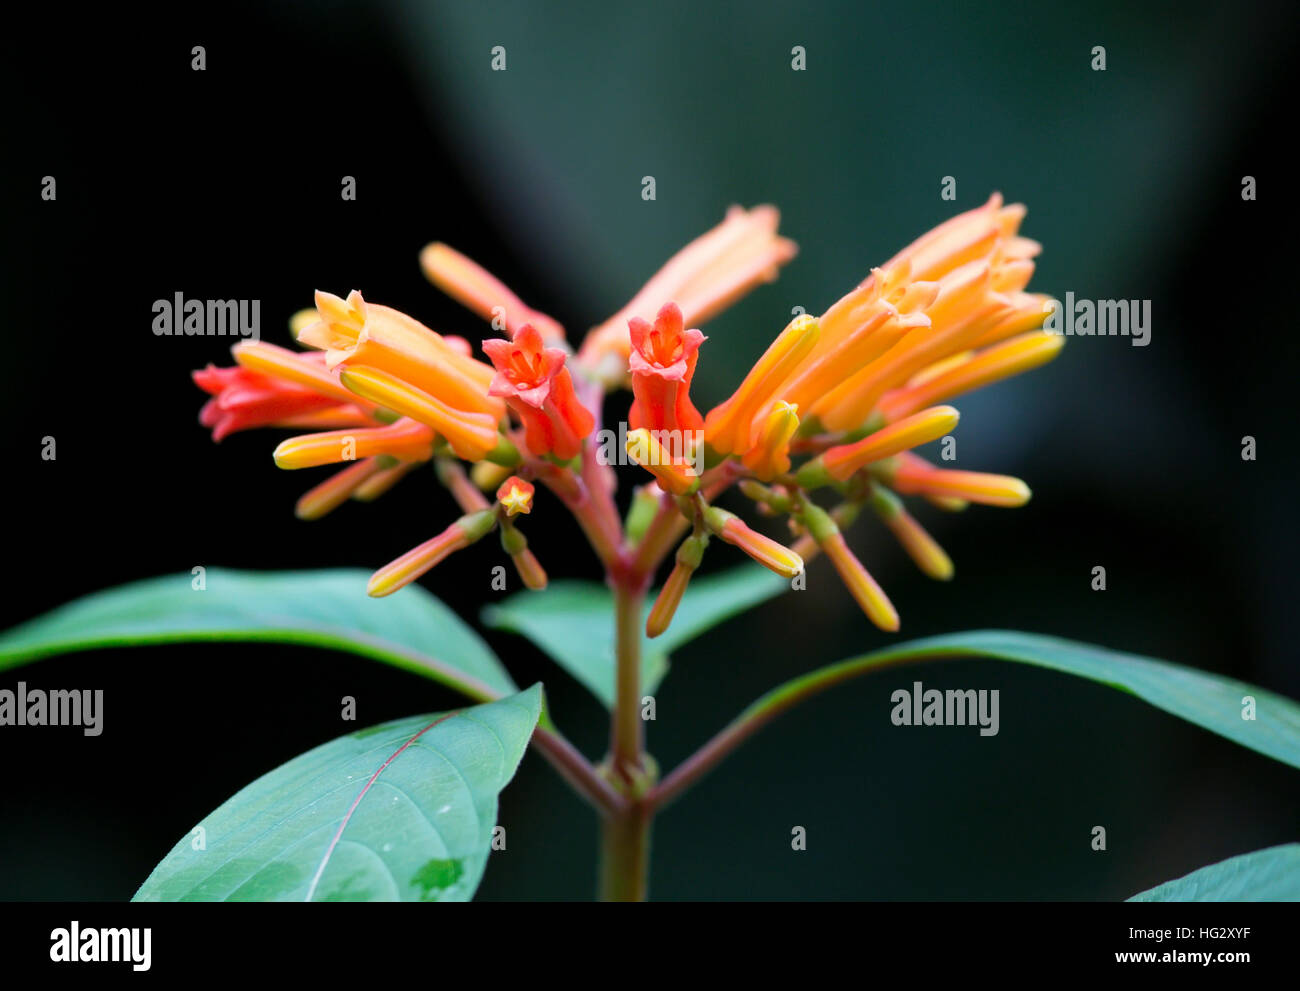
<point x="415" y="562"/>
<point x="301" y="320"/>
<point x="912" y="431"/>
<point x="515" y="496"/>
<point x="674" y="473"/>
<point x="770" y="456"/>
<point x="976" y="370"/>
<point x="299" y="452"/>
<point x="404" y="440"/>
<point x="922" y="548"/>
<point x="806" y="548"/>
<point x="915" y="476"/>
<point x="946" y="503"/>
<point x="774" y="556"/>
<point x="869" y="596"/>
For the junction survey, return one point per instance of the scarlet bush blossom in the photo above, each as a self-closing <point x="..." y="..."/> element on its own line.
<point x="836" y="404"/>
<point x="662" y="363"/>
<point x="539" y="390"/>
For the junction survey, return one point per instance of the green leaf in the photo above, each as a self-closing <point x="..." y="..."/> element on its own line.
<point x="573" y="623"/>
<point x="410" y="629"/>
<point x="398" y="812"/>
<point x="1271" y="875"/>
<point x="1208" y="700"/>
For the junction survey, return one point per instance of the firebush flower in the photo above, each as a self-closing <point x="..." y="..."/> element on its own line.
<point x="704" y="278"/>
<point x="243" y="398"/>
<point x="662" y="363"/>
<point x="854" y="388"/>
<point x="835" y="407"/>
<point x="534" y="382"/>
<point x="358" y="334"/>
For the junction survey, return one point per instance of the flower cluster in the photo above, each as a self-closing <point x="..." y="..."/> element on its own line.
<point x="835" y="405"/>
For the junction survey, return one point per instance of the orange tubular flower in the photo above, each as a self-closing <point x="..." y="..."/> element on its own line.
<point x="766" y="551"/>
<point x="958" y="287"/>
<point x="477" y="289"/>
<point x="662" y="363"/>
<point x="404" y="440"/>
<point x="890" y="309"/>
<point x="243" y="399"/>
<point x="850" y="393"/>
<point x="868" y="594"/>
<point x="470" y="435"/>
<point x="704" y="278"/>
<point x="355" y="333"/>
<point x="538" y="388"/>
<point x="913" y="475"/>
<point x="669" y="598"/>
<point x="947" y="314"/>
<point x="971" y="371"/>
<point x="923" y="549"/>
<point x="689" y="556"/>
<point x="415" y="562"/>
<point x="915" y="430"/>
<point x="980" y="266"/>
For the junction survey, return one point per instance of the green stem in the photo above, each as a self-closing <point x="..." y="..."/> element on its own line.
<point x="627" y="732"/>
<point x="625" y="842"/>
<point x="625" y="855"/>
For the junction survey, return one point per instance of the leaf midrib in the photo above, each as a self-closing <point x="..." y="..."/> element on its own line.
<point x="356" y="803"/>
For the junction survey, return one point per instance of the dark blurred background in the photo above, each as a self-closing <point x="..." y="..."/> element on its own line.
<point x="225" y="184"/>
